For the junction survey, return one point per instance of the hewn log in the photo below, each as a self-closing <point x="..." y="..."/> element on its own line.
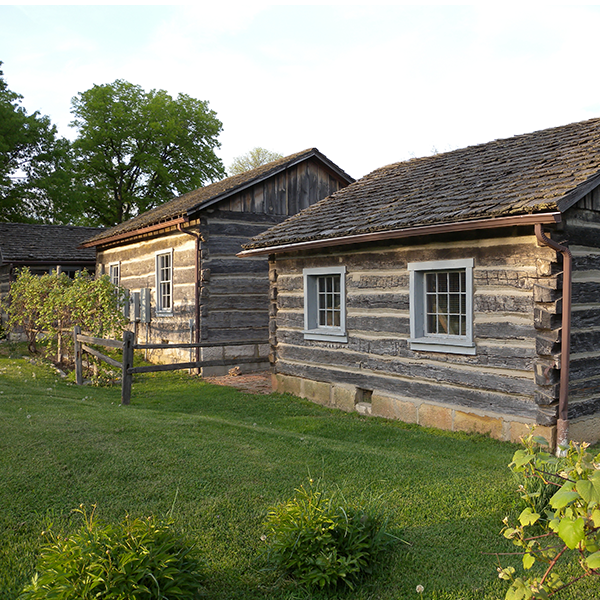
<point x="421" y="391"/>
<point x="484" y="379"/>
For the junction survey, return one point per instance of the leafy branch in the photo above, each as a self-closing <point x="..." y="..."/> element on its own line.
<point x="570" y="522"/>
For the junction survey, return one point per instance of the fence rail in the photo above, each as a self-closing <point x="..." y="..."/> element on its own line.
<point x="128" y="345"/>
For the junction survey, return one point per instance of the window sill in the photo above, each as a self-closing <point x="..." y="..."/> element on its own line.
<point x="443" y="345"/>
<point x="325" y="336"/>
<point x="165" y="313"/>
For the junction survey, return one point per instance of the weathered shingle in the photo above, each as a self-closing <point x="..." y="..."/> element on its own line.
<point x="26" y="242"/>
<point x="537" y="172"/>
<point x="202" y="197"/>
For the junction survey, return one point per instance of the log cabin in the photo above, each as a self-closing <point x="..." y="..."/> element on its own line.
<point x="179" y="260"/>
<point x="42" y="249"/>
<point x="459" y="291"/>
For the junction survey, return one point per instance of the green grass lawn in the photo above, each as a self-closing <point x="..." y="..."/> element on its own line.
<point x="222" y="458"/>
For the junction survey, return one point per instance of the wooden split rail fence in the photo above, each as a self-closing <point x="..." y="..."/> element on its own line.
<point x="128" y="345"/>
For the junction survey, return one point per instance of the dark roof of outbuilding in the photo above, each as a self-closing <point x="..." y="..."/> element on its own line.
<point x="547" y="170"/>
<point x="203" y="197"/>
<point x="33" y="243"/>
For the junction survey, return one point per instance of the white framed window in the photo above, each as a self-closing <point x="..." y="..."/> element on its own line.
<point x="164" y="283"/>
<point x="325" y="304"/>
<point x="441" y="306"/>
<point x="114" y="272"/>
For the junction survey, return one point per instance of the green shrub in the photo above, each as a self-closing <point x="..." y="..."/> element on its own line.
<point x="322" y="541"/>
<point x="137" y="559"/>
<point x="568" y="530"/>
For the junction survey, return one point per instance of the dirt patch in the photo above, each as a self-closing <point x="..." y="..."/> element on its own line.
<point x="253" y="383"/>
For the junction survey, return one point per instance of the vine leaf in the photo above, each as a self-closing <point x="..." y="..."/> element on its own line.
<point x="571" y="532"/>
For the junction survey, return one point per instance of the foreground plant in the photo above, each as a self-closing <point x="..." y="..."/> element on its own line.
<point x="139" y="559"/>
<point x="321" y="540"/>
<point x="569" y="526"/>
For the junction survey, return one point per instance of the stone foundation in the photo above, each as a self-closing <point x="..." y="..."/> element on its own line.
<point x="585" y="429"/>
<point x="427" y="414"/>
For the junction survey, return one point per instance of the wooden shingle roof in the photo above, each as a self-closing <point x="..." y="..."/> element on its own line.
<point x="26" y="243"/>
<point x="196" y="200"/>
<point x="539" y="172"/>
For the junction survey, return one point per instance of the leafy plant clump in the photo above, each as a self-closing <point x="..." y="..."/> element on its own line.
<point x="322" y="541"/>
<point x="569" y="526"/>
<point x="137" y="559"/>
<point x="46" y="308"/>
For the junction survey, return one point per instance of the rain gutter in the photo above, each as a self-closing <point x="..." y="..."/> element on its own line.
<point x="134" y="232"/>
<point x="562" y="424"/>
<point x="197" y="236"/>
<point x="516" y="220"/>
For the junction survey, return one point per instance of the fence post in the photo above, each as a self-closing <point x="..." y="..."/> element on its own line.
<point x="78" y="365"/>
<point x="127" y="364"/>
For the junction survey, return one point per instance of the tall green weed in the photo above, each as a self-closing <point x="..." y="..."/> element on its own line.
<point x="322" y="541"/>
<point x="137" y="559"/>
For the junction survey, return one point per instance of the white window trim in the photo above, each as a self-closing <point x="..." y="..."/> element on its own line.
<point x="160" y="311"/>
<point x="312" y="330"/>
<point x="110" y="269"/>
<point x="450" y="344"/>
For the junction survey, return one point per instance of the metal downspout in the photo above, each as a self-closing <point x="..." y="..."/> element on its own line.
<point x="562" y="425"/>
<point x="197" y="236"/>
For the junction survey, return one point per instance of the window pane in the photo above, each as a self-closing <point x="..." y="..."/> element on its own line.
<point x="328" y="301"/>
<point x="454" y="303"/>
<point x="454" y="282"/>
<point x="454" y="325"/>
<point x="442" y="324"/>
<point x="432" y="324"/>
<point x="442" y="281"/>
<point x="430" y="282"/>
<point x="445" y="303"/>
<point x="431" y="303"/>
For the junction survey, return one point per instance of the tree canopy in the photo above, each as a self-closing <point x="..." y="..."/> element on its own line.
<point x="34" y="164"/>
<point x="137" y="149"/>
<point x="252" y="159"/>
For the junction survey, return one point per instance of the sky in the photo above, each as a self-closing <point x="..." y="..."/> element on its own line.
<point x="366" y="85"/>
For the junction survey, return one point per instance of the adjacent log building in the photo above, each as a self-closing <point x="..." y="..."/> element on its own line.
<point x="43" y="249"/>
<point x="179" y="260"/>
<point x="459" y="291"/>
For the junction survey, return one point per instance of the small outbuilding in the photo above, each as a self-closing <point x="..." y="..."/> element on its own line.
<point x="459" y="291"/>
<point x="43" y="249"/>
<point x="179" y="260"/>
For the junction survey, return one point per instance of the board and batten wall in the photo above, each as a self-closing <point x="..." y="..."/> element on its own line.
<point x="509" y="383"/>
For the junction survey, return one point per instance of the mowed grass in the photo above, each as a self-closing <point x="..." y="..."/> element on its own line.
<point x="219" y="459"/>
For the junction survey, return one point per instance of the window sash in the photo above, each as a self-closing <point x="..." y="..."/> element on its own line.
<point x="115" y="274"/>
<point x="441" y="306"/>
<point x="329" y="301"/>
<point x="325" y="304"/>
<point x="445" y="297"/>
<point x="164" y="275"/>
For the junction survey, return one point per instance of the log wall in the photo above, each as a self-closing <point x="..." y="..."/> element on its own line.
<point x="508" y="383"/>
<point x="234" y="292"/>
<point x="582" y="231"/>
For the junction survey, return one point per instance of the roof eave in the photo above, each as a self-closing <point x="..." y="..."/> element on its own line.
<point x="571" y="198"/>
<point x="134" y="232"/>
<point x="492" y="223"/>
